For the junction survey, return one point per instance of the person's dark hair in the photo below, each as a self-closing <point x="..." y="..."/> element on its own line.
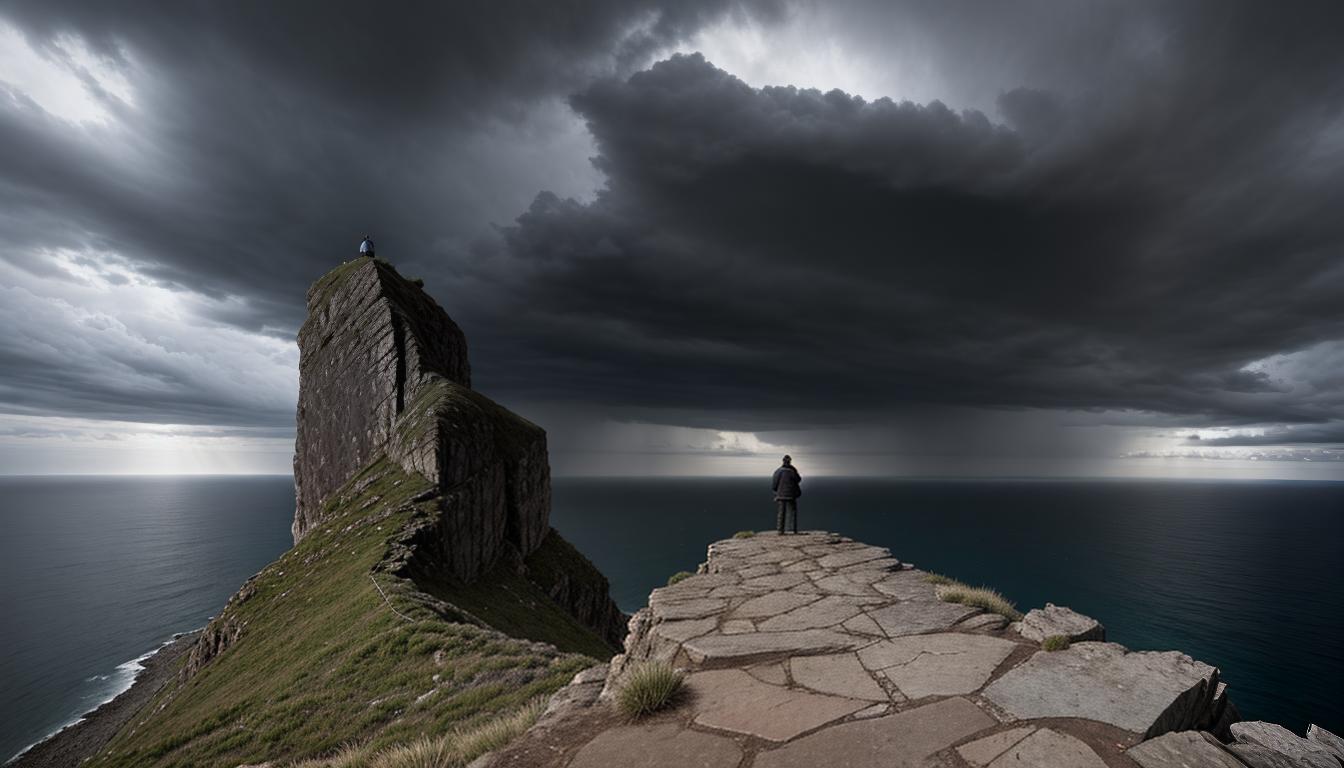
<point x="787" y="458"/>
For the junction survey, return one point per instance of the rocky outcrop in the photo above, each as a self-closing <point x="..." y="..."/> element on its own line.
<point x="1264" y="745"/>
<point x="384" y="372"/>
<point x="371" y="341"/>
<point x="1057" y="621"/>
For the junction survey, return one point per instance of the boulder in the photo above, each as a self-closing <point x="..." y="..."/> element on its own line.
<point x="1146" y="692"/>
<point x="1054" y="620"/>
<point x="1276" y="738"/>
<point x="1332" y="743"/>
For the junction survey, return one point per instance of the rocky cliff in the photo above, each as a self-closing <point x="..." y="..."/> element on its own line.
<point x="426" y="593"/>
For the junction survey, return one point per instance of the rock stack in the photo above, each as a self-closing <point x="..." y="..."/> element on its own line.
<point x="383" y="370"/>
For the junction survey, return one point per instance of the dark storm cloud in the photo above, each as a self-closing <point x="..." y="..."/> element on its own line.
<point x="793" y="252"/>
<point x="265" y="139"/>
<point x="1143" y="207"/>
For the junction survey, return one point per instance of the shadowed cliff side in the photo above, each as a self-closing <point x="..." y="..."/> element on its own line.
<point x="426" y="593"/>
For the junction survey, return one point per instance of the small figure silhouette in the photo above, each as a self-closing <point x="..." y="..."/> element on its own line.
<point x="787" y="485"/>
<point x="366" y="247"/>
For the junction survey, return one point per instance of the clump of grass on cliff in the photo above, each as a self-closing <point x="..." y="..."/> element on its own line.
<point x="744" y="534"/>
<point x="325" y="659"/>
<point x="953" y="591"/>
<point x="1056" y="643"/>
<point x="679" y="576"/>
<point x="938" y="579"/>
<point x="650" y="687"/>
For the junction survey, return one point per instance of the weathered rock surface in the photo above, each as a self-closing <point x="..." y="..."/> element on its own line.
<point x="732" y="700"/>
<point x="1146" y="692"/>
<point x="383" y="372"/>
<point x="370" y="342"/>
<point x="666" y="745"/>
<point x="1332" y="743"/>
<point x="905" y="739"/>
<point x="945" y="664"/>
<point x="1055" y="621"/>
<point x="1183" y="749"/>
<point x="1047" y="748"/>
<point x="983" y="751"/>
<point x="1276" y="738"/>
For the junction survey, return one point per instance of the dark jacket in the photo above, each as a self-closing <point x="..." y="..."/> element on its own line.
<point x="787" y="483"/>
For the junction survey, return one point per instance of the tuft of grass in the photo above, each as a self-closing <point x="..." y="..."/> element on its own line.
<point x="939" y="579"/>
<point x="418" y="282"/>
<point x="678" y="576"/>
<point x="1055" y="643"/>
<point x="744" y="534"/>
<point x="649" y="687"/>
<point x="978" y="597"/>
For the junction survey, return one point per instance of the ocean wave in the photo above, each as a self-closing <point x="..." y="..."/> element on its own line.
<point x="122" y="678"/>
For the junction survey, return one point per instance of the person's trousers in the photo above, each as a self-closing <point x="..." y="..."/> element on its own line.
<point x="788" y="512"/>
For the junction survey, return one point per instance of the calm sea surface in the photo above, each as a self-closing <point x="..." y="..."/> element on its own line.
<point x="95" y="572"/>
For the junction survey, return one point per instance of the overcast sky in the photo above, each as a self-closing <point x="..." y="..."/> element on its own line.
<point x="919" y="238"/>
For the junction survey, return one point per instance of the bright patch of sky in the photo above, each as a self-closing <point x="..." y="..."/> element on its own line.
<point x="123" y="344"/>
<point x="817" y="57"/>
<point x="66" y="79"/>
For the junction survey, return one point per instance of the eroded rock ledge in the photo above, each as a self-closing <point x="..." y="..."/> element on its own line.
<point x="817" y="650"/>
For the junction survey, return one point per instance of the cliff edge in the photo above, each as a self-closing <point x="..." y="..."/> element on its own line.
<point x="426" y="596"/>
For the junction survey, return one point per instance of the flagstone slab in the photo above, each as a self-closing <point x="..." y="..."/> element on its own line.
<point x="732" y="700"/>
<point x="680" y="631"/>
<point x="907" y="585"/>
<point x="713" y="648"/>
<point x="776" y="581"/>
<point x="737" y="627"/>
<point x="917" y="618"/>
<point x="1183" y="749"/>
<point x="688" y="609"/>
<point x="946" y="664"/>
<point x="838" y="584"/>
<point x="982" y="752"/>
<point x="903" y="740"/>
<point x="1048" y="749"/>
<point x="840" y="674"/>
<point x="826" y="612"/>
<point x="666" y="745"/>
<point x="771" y="604"/>
<point x="837" y="560"/>
<point x="863" y="624"/>
<point x="1146" y="692"/>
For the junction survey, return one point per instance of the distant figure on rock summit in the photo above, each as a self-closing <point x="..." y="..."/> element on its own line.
<point x="787" y="485"/>
<point x="366" y="247"/>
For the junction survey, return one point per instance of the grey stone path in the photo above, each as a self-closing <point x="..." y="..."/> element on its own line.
<point x="816" y="650"/>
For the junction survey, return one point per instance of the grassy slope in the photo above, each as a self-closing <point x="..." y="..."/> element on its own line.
<point x="323" y="660"/>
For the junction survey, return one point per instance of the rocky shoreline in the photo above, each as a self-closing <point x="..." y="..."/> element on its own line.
<point x="79" y="741"/>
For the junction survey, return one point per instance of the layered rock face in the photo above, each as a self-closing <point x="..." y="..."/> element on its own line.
<point x="372" y="342"/>
<point x="383" y="370"/>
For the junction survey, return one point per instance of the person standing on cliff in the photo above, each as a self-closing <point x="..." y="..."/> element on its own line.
<point x="788" y="486"/>
<point x="366" y="247"/>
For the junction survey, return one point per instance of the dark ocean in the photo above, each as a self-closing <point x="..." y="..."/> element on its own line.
<point x="1248" y="576"/>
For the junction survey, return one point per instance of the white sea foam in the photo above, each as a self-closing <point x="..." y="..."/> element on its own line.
<point x="123" y="677"/>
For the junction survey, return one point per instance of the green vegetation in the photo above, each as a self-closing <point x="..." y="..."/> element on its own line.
<point x="678" y="576"/>
<point x="1056" y="643"/>
<point x="953" y="591"/>
<point x="450" y="750"/>
<point x="939" y="579"/>
<point x="648" y="688"/>
<point x="744" y="534"/>
<point x="517" y="607"/>
<point x="323" y="658"/>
